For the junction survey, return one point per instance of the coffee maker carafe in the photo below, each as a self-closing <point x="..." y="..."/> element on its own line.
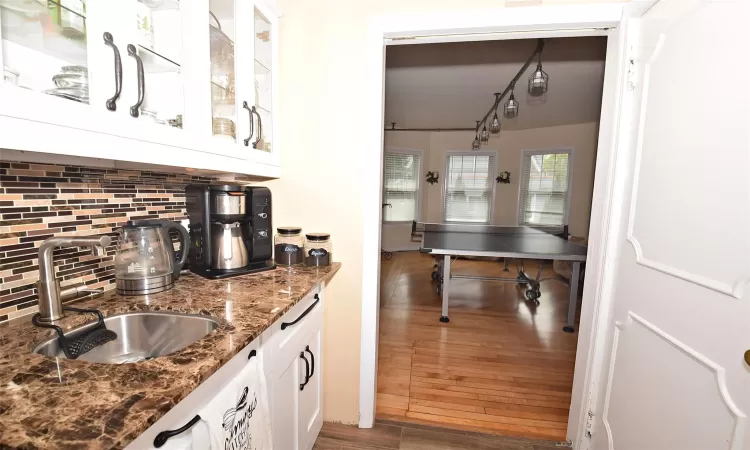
<point x="230" y="229"/>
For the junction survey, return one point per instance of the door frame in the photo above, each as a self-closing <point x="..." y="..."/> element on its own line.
<point x="610" y="19"/>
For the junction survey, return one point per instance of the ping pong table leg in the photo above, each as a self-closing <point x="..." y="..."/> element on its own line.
<point x="446" y="282"/>
<point x="573" y="297"/>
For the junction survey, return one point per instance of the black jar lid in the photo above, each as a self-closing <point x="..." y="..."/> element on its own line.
<point x="318" y="236"/>
<point x="289" y="231"/>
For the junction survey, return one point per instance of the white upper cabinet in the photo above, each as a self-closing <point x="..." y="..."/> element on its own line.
<point x="180" y="83"/>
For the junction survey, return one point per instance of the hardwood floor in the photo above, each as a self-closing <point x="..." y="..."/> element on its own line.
<point x="502" y="365"/>
<point x="418" y="437"/>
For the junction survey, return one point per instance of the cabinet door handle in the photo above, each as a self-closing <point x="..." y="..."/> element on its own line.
<point x="260" y="126"/>
<point x="312" y="360"/>
<point x="284" y="325"/>
<point x="307" y="371"/>
<point x="112" y="102"/>
<point x="251" y="355"/>
<point x="250" y="113"/>
<point x="162" y="437"/>
<point x="141" y="80"/>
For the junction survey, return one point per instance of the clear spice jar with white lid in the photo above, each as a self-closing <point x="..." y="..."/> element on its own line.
<point x="318" y="249"/>
<point x="289" y="246"/>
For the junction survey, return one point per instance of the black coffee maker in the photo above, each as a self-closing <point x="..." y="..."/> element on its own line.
<point x="230" y="230"/>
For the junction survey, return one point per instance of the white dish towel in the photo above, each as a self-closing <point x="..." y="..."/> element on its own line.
<point x="239" y="418"/>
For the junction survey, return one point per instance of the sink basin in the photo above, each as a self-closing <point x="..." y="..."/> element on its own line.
<point x="140" y="336"/>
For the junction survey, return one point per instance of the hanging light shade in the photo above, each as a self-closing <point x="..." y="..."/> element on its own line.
<point x="477" y="143"/>
<point x="510" y="110"/>
<point x="538" y="80"/>
<point x="495" y="122"/>
<point x="484" y="136"/>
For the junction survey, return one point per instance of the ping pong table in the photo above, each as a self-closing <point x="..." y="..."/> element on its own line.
<point x="448" y="241"/>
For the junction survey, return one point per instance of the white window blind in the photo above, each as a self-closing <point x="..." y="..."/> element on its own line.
<point x="401" y="186"/>
<point x="545" y="181"/>
<point x="469" y="188"/>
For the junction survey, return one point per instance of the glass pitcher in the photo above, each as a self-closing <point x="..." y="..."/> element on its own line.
<point x="146" y="261"/>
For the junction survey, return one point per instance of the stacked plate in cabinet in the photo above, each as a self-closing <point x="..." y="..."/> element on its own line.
<point x="72" y="83"/>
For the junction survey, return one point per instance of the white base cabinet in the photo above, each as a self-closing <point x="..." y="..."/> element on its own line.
<point x="289" y="355"/>
<point x="295" y="366"/>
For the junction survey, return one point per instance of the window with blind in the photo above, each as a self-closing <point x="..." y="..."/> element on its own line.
<point x="469" y="182"/>
<point x="401" y="171"/>
<point x="545" y="184"/>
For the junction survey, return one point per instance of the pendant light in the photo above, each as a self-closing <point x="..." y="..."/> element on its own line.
<point x="510" y="110"/>
<point x="495" y="124"/>
<point x="484" y="136"/>
<point x="476" y="144"/>
<point x="538" y="81"/>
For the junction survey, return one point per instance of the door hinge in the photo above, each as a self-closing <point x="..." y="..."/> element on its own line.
<point x="590" y="424"/>
<point x="563" y="444"/>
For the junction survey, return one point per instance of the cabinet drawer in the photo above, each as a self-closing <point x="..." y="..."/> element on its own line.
<point x="187" y="409"/>
<point x="290" y="332"/>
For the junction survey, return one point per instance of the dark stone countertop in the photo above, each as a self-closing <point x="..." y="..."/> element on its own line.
<point x="64" y="404"/>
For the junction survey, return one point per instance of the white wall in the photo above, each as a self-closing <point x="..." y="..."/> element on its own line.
<point x="509" y="145"/>
<point x="322" y="68"/>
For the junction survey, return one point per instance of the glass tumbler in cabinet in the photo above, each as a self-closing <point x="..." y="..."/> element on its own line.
<point x="46" y="47"/>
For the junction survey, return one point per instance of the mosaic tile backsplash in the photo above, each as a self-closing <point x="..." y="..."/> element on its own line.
<point x="38" y="201"/>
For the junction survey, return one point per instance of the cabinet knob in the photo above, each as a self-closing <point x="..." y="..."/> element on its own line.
<point x="747" y="357"/>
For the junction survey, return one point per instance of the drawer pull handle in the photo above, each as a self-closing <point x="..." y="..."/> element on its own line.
<point x="162" y="437"/>
<point x="252" y="353"/>
<point x="110" y="41"/>
<point x="307" y="371"/>
<point x="250" y="112"/>
<point x="134" y="110"/>
<point x="312" y="360"/>
<point x="284" y="325"/>
<point x="260" y="126"/>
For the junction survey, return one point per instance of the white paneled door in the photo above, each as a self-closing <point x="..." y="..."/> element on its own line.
<point x="675" y="375"/>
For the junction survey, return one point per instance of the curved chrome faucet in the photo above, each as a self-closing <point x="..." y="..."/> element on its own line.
<point x="48" y="287"/>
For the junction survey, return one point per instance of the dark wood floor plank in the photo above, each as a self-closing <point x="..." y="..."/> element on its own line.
<point x="420" y="436"/>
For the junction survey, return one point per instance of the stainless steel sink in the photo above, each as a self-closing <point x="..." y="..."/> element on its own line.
<point x="140" y="336"/>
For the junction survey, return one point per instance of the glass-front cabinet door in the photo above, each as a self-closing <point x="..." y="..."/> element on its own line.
<point x="154" y="91"/>
<point x="47" y="49"/>
<point x="242" y="58"/>
<point x="121" y="59"/>
<point x="223" y="41"/>
<point x="263" y="51"/>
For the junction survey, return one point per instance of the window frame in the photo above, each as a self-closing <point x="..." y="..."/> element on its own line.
<point x="492" y="177"/>
<point x="571" y="160"/>
<point x="418" y="207"/>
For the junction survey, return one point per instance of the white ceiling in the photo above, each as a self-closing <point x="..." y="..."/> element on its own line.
<point x="451" y="85"/>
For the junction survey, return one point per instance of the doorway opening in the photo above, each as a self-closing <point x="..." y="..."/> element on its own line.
<point x="503" y="363"/>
